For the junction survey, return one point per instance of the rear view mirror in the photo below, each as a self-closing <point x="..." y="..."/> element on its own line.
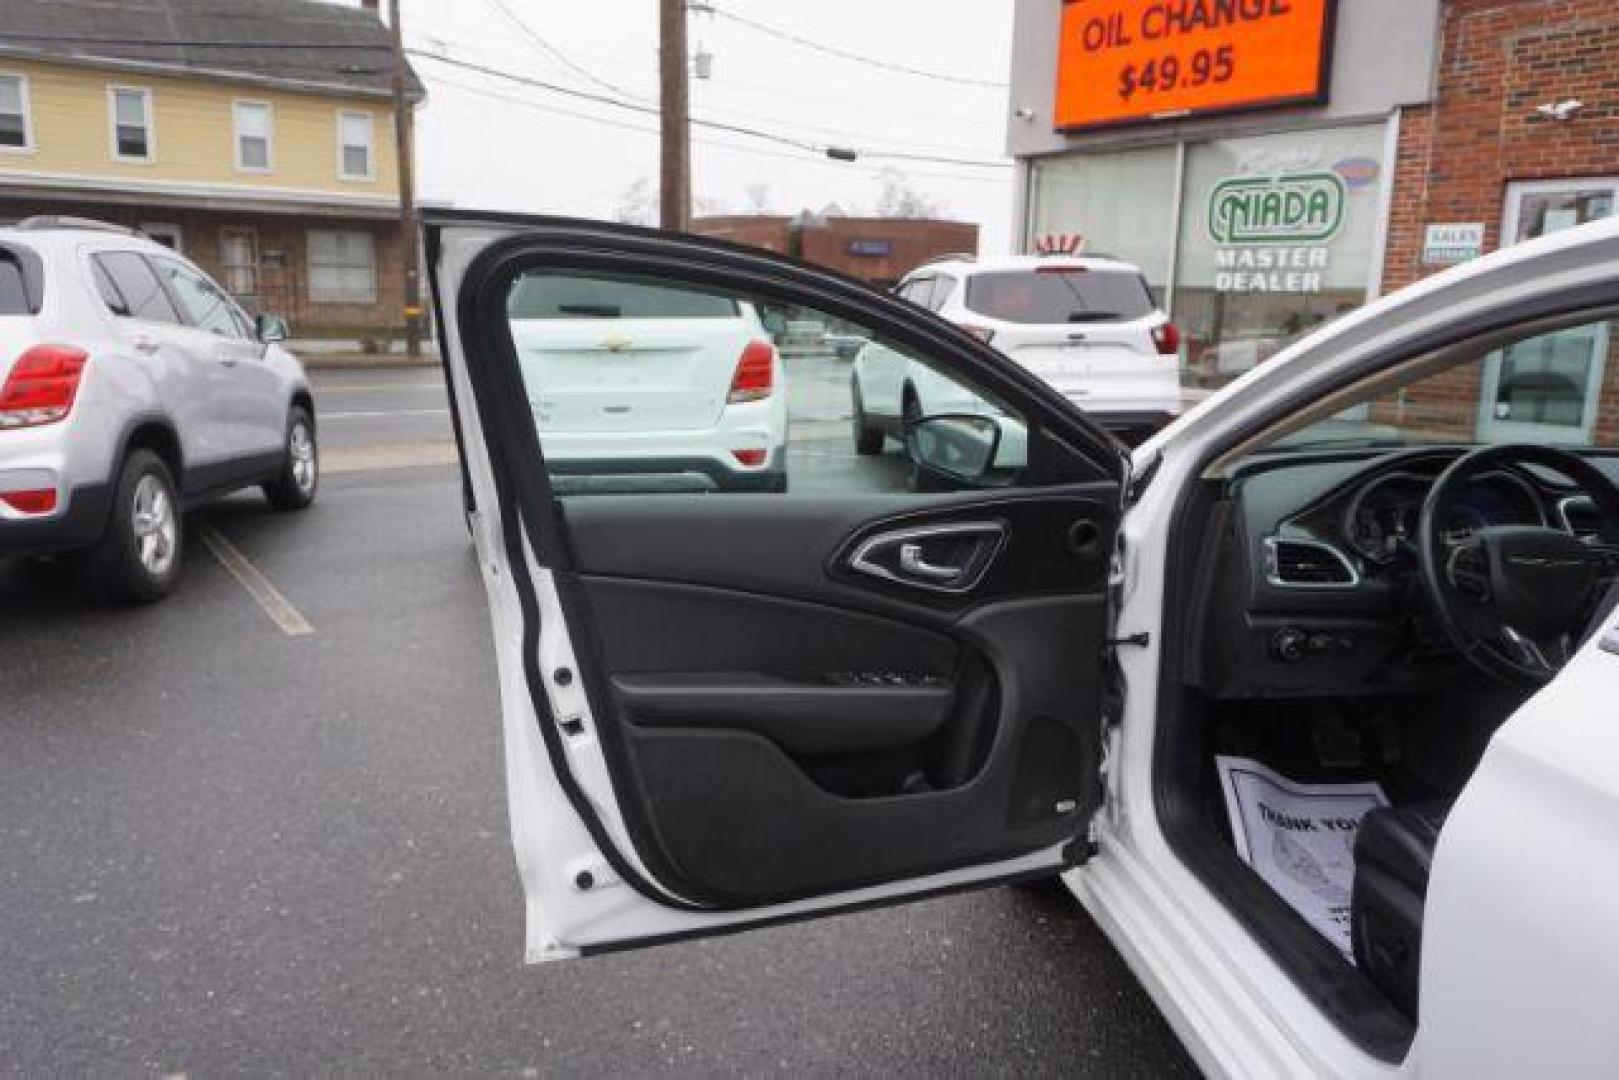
<point x="956" y="446"/>
<point x="272" y="328"/>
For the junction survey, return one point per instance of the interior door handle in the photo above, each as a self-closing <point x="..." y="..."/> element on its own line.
<point x="912" y="561"/>
<point x="900" y="555"/>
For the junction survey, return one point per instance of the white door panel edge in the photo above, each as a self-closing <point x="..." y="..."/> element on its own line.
<point x="1238" y="1011"/>
<point x="1520" y="962"/>
<point x="550" y="839"/>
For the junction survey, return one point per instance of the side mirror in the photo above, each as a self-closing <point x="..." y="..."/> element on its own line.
<point x="272" y="328"/>
<point x="959" y="447"/>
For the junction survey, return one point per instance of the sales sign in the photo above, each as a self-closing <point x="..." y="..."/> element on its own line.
<point x="1126" y="61"/>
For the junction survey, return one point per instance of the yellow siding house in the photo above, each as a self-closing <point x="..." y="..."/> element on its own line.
<point x="257" y="136"/>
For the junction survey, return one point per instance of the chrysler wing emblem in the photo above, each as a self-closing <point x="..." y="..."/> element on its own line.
<point x="616" y="344"/>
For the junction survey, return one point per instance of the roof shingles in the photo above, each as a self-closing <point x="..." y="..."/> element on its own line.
<point x="291" y="42"/>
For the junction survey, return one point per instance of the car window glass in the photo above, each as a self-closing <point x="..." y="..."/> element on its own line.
<point x="1059" y="295"/>
<point x="637" y="386"/>
<point x="135" y="287"/>
<point x="1550" y="388"/>
<point x="13" y="289"/>
<point x="205" y="305"/>
<point x="917" y="290"/>
<point x="943" y="286"/>
<point x="597" y="298"/>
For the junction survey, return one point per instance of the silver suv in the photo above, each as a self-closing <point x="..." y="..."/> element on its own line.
<point x="131" y="388"/>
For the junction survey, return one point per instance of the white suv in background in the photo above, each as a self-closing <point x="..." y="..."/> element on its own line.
<point x="1088" y="325"/>
<point x="639" y="387"/>
<point x="132" y="387"/>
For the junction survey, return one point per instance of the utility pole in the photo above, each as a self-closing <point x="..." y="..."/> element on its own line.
<point x="674" y="191"/>
<point x="405" y="147"/>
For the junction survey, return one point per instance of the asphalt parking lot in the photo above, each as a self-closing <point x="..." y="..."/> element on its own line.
<point x="227" y="848"/>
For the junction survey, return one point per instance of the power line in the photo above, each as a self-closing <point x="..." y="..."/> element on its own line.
<point x="558" y="55"/>
<point x="756" y="151"/>
<point x="712" y="125"/>
<point x="844" y="54"/>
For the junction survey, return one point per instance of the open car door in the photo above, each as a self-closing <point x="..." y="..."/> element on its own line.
<point x="749" y="672"/>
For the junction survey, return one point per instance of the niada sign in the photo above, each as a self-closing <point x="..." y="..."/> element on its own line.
<point x="1274" y="232"/>
<point x="1304" y="208"/>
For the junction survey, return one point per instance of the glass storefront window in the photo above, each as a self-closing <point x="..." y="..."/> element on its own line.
<point x="1122" y="203"/>
<point x="1278" y="234"/>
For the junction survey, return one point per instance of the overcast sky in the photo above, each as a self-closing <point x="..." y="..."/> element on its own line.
<point x="488" y="143"/>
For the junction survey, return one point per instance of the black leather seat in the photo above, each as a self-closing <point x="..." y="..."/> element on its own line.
<point x="1393" y="857"/>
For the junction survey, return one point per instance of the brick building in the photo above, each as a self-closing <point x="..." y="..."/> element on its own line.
<point x="1428" y="132"/>
<point x="878" y="250"/>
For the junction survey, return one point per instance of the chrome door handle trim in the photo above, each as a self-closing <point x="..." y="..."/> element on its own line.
<point x="912" y="561"/>
<point x="865" y="558"/>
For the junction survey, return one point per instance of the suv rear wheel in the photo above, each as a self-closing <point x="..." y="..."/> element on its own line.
<point x="295" y="488"/>
<point x="137" y="560"/>
<point x="868" y="439"/>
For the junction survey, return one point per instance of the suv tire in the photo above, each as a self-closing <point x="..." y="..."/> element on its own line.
<point x="868" y="440"/>
<point x="295" y="488"/>
<point x="137" y="560"/>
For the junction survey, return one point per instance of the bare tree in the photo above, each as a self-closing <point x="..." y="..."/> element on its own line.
<point x="711" y="205"/>
<point x="756" y="197"/>
<point x="638" y="205"/>
<point x="899" y="198"/>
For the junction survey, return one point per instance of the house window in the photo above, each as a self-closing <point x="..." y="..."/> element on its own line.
<point x="165" y="233"/>
<point x="356" y="137"/>
<point x="239" y="258"/>
<point x="131" y="111"/>
<point x="255" y="151"/>
<point x="342" y="266"/>
<point x="16" y="126"/>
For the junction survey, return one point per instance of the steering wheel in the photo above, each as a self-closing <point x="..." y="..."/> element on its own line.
<point x="1514" y="598"/>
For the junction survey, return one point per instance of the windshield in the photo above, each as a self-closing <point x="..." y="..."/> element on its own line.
<point x="1059" y="295"/>
<point x="1547" y="389"/>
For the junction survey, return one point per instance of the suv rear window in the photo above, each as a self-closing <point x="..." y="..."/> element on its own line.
<point x="22" y="281"/>
<point x="549" y="296"/>
<point x="1059" y="295"/>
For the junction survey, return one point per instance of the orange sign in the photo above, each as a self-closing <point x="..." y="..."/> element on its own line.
<point x="1124" y="61"/>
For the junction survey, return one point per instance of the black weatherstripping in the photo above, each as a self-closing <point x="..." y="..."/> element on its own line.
<point x="530" y="510"/>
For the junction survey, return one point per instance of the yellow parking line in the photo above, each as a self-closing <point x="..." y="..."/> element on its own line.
<point x="269" y="598"/>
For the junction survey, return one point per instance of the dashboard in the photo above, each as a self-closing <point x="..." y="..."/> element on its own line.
<point x="1381" y="517"/>
<point x="1315" y="590"/>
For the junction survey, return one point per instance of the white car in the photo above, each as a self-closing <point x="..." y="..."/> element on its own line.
<point x="646" y="384"/>
<point x="1089" y="326"/>
<point x="131" y="388"/>
<point x="1310" y="703"/>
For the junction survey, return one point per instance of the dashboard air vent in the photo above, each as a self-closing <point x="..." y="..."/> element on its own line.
<point x="1580" y="516"/>
<point x="1307" y="564"/>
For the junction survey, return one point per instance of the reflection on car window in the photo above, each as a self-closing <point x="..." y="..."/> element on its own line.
<point x="129" y="287"/>
<point x="205" y="306"/>
<point x="1558" y="388"/>
<point x="639" y="386"/>
<point x="1059" y="295"/>
<point x="555" y="297"/>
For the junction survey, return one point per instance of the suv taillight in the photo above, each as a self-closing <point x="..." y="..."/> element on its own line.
<point x="42" y="385"/>
<point x="1168" y="339"/>
<point x="755" y="376"/>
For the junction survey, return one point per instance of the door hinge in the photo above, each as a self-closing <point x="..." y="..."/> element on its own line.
<point x="1140" y="640"/>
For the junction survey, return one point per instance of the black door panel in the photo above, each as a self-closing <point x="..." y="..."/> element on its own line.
<point x="848" y="714"/>
<point x="837" y="712"/>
